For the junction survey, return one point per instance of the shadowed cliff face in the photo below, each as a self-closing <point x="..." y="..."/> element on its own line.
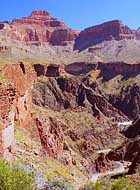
<point x="128" y="101"/>
<point x="72" y="93"/>
<point x="107" y="70"/>
<point x="130" y="149"/>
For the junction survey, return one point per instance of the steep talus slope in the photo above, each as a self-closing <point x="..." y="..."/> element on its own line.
<point x="123" y="93"/>
<point x="110" y="41"/>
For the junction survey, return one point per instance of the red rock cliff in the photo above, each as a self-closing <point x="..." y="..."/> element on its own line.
<point x="104" y="32"/>
<point x="40" y="27"/>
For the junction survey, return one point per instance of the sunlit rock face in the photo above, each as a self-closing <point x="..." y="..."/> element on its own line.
<point x="112" y="30"/>
<point x="7" y="113"/>
<point x="38" y="28"/>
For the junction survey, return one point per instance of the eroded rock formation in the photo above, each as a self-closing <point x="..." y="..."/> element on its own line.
<point x="38" y="28"/>
<point x="107" y="70"/>
<point x="51" y="135"/>
<point x="71" y="93"/>
<point x="7" y="113"/>
<point x="43" y="87"/>
<point x="112" y="30"/>
<point x="128" y="100"/>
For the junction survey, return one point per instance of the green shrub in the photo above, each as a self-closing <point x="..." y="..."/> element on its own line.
<point x="14" y="178"/>
<point x="125" y="183"/>
<point x="122" y="183"/>
<point x="93" y="186"/>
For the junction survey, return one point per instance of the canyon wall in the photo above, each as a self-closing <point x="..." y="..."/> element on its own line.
<point x="7" y="113"/>
<point x="108" y="70"/>
<point x="112" y="30"/>
<point x="38" y="28"/>
<point x="47" y="88"/>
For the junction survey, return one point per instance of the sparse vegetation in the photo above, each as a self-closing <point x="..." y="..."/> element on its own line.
<point x="94" y="74"/>
<point x="58" y="184"/>
<point x="122" y="183"/>
<point x="14" y="178"/>
<point x="93" y="186"/>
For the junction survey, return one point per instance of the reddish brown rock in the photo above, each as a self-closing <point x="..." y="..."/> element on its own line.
<point x="68" y="94"/>
<point x="51" y="135"/>
<point x="38" y="28"/>
<point x="52" y="70"/>
<point x="21" y="75"/>
<point x="105" y="32"/>
<point x="7" y="113"/>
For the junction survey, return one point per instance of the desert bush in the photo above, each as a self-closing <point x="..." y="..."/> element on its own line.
<point x="14" y="178"/>
<point x="122" y="183"/>
<point x="93" y="186"/>
<point x="58" y="184"/>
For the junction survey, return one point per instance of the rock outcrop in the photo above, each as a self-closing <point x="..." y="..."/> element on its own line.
<point x="128" y="100"/>
<point x="51" y="135"/>
<point x="112" y="30"/>
<point x="7" y="113"/>
<point x="51" y="70"/>
<point x="107" y="70"/>
<point x="38" y="28"/>
<point x="128" y="151"/>
<point x="133" y="130"/>
<point x="68" y="93"/>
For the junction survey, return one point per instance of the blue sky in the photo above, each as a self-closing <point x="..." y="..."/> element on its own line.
<point x="77" y="14"/>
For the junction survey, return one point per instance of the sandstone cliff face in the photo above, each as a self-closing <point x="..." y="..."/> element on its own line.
<point x="23" y="79"/>
<point x="7" y="113"/>
<point x="51" y="135"/>
<point x="16" y="104"/>
<point x="112" y="30"/>
<point x="38" y="28"/>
